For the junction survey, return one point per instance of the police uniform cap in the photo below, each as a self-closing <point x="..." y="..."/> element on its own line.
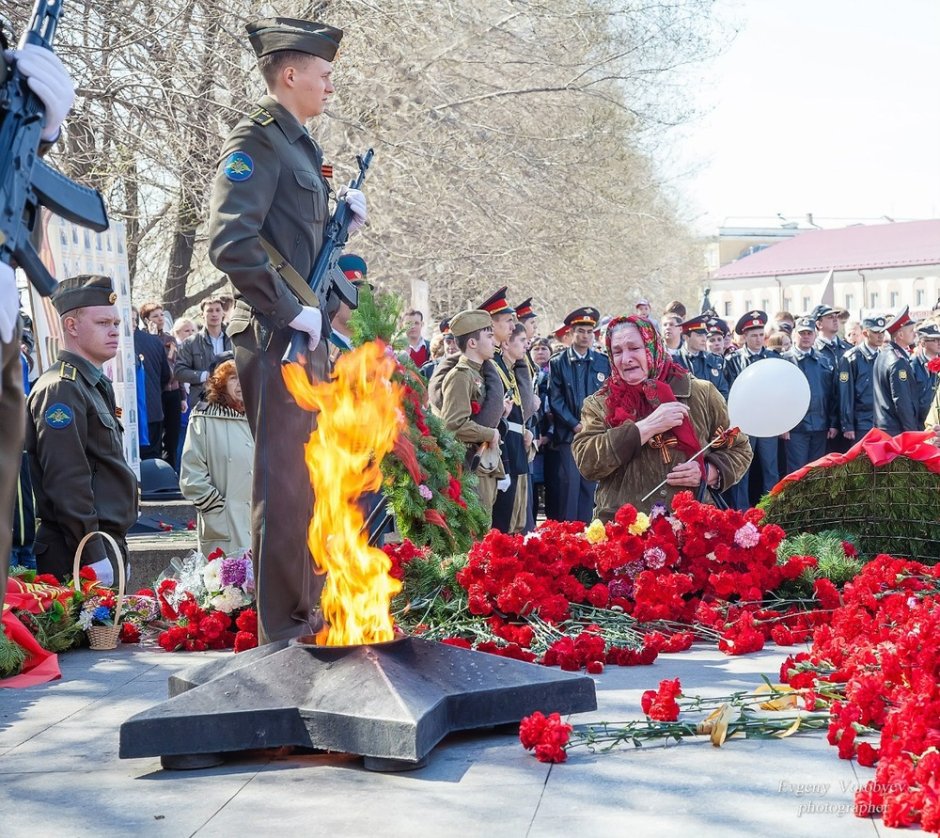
<point x="717" y="326"/>
<point x="695" y="324"/>
<point x="275" y="34"/>
<point x="83" y="290"/>
<point x="805" y="324"/>
<point x="524" y="310"/>
<point x="496" y="303"/>
<point x="901" y="319"/>
<point x="928" y="330"/>
<point x="874" y="324"/>
<point x="472" y="320"/>
<point x="561" y="331"/>
<point x="755" y="319"/>
<point x="785" y="326"/>
<point x="821" y="311"/>
<point x="584" y="316"/>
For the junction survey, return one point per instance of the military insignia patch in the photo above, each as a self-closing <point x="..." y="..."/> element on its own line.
<point x="58" y="416"/>
<point x="238" y="166"/>
<point x="714" y="371"/>
<point x="903" y="375"/>
<point x="601" y="377"/>
<point x="843" y="376"/>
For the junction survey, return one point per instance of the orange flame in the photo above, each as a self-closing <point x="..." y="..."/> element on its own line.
<point x="358" y="420"/>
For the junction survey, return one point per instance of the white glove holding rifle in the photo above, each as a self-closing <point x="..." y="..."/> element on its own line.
<point x="310" y="320"/>
<point x="50" y="81"/>
<point x="356" y="201"/>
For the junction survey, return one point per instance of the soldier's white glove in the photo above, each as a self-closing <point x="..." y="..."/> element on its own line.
<point x="503" y="484"/>
<point x="104" y="572"/>
<point x="50" y="81"/>
<point x="310" y="321"/>
<point x="9" y="303"/>
<point x="356" y="201"/>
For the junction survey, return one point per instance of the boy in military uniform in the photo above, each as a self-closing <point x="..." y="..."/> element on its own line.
<point x="80" y="478"/>
<point x="463" y="393"/>
<point x="895" y="396"/>
<point x="696" y="358"/>
<point x="267" y="218"/>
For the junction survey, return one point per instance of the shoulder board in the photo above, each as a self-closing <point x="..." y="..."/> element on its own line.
<point x="261" y="117"/>
<point x="67" y="371"/>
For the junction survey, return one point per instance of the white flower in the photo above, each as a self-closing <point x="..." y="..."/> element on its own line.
<point x="210" y="576"/>
<point x="85" y="619"/>
<point x="227" y="601"/>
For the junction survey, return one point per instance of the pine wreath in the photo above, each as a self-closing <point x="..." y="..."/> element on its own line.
<point x="892" y="508"/>
<point x="434" y="501"/>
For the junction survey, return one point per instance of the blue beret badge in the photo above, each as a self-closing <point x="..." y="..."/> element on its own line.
<point x="238" y="166"/>
<point x="58" y="416"/>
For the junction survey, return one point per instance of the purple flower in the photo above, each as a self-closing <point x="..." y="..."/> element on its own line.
<point x="425" y="492"/>
<point x="233" y="572"/>
<point x="655" y="558"/>
<point x="620" y="587"/>
<point x="747" y="536"/>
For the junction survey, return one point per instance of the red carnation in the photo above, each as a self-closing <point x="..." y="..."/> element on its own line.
<point x="661" y="706"/>
<point x="130" y="633"/>
<point x="248" y="621"/>
<point x="49" y="579"/>
<point x="546" y="735"/>
<point x="245" y="640"/>
<point x="85" y="573"/>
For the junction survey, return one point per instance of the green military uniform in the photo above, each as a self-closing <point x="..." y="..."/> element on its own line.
<point x="463" y="388"/>
<point x="269" y="185"/>
<point x="74" y="439"/>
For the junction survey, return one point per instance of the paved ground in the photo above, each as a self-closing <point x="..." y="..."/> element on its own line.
<point x="60" y="775"/>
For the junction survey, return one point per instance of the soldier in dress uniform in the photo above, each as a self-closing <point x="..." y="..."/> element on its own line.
<point x="503" y="314"/>
<point x="267" y="217"/>
<point x="47" y="77"/>
<point x="715" y="342"/>
<point x="928" y="348"/>
<point x="895" y="393"/>
<point x="74" y="437"/>
<point x="575" y="374"/>
<point x="764" y="468"/>
<point x="807" y="441"/>
<point x="695" y="357"/>
<point x="856" y="399"/>
<point x="463" y="392"/>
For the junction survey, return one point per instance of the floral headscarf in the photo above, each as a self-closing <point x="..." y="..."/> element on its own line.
<point x="631" y="402"/>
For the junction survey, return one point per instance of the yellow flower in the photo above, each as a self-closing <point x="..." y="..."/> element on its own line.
<point x="595" y="533"/>
<point x="640" y="525"/>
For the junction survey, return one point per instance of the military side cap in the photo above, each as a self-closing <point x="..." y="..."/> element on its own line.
<point x="584" y="316"/>
<point x="83" y="290"/>
<point x="275" y="34"/>
<point x="805" y="324"/>
<point x="874" y="324"/>
<point x="756" y="319"/>
<point x="901" y="319"/>
<point x="524" y="310"/>
<point x="472" y="320"/>
<point x="928" y="330"/>
<point x="496" y="304"/>
<point x="696" y="324"/>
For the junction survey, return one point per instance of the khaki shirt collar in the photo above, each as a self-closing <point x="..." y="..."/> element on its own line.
<point x="286" y="121"/>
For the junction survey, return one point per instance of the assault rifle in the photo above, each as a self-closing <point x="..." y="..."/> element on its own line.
<point x="326" y="280"/>
<point x="26" y="182"/>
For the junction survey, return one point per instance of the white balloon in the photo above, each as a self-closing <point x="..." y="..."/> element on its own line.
<point x="769" y="398"/>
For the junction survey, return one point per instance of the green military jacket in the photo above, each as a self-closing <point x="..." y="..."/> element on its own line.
<point x="626" y="470"/>
<point x="269" y="184"/>
<point x="74" y="439"/>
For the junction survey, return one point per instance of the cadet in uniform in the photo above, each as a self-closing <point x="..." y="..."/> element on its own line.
<point x="74" y="438"/>
<point x="807" y="441"/>
<point x="267" y="217"/>
<point x="856" y="400"/>
<point x="895" y="396"/>
<point x="694" y="356"/>
<point x="49" y="80"/>
<point x="574" y="374"/>
<point x="928" y="336"/>
<point x="464" y="391"/>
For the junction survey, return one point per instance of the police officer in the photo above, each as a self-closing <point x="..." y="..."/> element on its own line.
<point x="464" y="390"/>
<point x="764" y="467"/>
<point x="928" y="339"/>
<point x="856" y="396"/>
<point x="574" y="374"/>
<point x="715" y="342"/>
<point x="50" y="81"/>
<point x="827" y="340"/>
<point x="807" y="441"/>
<point x="80" y="478"/>
<point x="695" y="357"/>
<point x="895" y="394"/>
<point x="268" y="213"/>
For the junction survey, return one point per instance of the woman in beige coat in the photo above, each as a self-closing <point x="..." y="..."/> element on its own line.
<point x="215" y="471"/>
<point x="643" y="426"/>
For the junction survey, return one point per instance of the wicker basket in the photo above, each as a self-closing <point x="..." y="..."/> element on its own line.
<point x="103" y="637"/>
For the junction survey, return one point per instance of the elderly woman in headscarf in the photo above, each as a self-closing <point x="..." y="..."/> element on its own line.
<point x="215" y="470"/>
<point x="648" y="421"/>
